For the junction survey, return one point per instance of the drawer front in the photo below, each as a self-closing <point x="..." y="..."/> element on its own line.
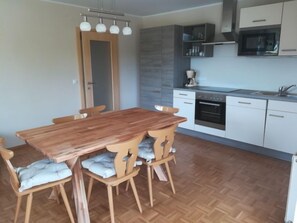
<point x="184" y="94"/>
<point x="282" y="106"/>
<point x="246" y="102"/>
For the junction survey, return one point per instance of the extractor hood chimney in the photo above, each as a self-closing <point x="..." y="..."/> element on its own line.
<point x="228" y="34"/>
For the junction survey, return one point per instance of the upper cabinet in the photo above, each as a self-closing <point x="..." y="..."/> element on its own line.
<point x="264" y="15"/>
<point x="194" y="37"/>
<point x="288" y="40"/>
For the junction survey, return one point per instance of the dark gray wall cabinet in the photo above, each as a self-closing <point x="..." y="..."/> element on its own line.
<point x="194" y="37"/>
<point x="162" y="66"/>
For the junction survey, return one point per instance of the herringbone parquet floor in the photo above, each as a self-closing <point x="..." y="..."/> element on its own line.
<point x="214" y="184"/>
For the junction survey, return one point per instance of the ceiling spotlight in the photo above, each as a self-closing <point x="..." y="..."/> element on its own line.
<point x="85" y="25"/>
<point x="127" y="30"/>
<point x="114" y="29"/>
<point x="100" y="27"/>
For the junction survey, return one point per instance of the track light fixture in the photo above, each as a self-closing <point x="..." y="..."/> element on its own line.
<point x="101" y="27"/>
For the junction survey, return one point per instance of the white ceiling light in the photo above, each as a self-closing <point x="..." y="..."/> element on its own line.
<point x="85" y="25"/>
<point x="114" y="29"/>
<point x="127" y="30"/>
<point x="100" y="27"/>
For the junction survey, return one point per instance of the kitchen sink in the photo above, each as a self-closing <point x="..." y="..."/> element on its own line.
<point x="265" y="93"/>
<point x="274" y="94"/>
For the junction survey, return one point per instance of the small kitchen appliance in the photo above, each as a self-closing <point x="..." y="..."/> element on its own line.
<point x="191" y="81"/>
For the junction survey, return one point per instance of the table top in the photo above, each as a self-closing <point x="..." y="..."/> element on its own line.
<point x="66" y="141"/>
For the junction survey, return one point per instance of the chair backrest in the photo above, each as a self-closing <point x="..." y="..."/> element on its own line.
<point x="166" y="109"/>
<point x="126" y="156"/>
<point x="68" y="118"/>
<point x="163" y="141"/>
<point x="92" y="111"/>
<point x="7" y="155"/>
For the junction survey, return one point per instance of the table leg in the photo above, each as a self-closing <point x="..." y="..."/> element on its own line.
<point x="79" y="192"/>
<point x="160" y="173"/>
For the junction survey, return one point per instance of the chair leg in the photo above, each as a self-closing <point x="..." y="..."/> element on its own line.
<point x="19" y="201"/>
<point x="56" y="192"/>
<point x="65" y="199"/>
<point x="117" y="190"/>
<point x="153" y="173"/>
<point x="91" y="181"/>
<point x="135" y="194"/>
<point x="169" y="176"/>
<point x="174" y="160"/>
<point x="28" y="207"/>
<point x="127" y="186"/>
<point x="149" y="181"/>
<point x="110" y="201"/>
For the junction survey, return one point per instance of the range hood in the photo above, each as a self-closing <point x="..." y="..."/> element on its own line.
<point x="228" y="34"/>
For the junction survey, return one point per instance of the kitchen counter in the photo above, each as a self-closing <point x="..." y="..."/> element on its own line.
<point x="257" y="94"/>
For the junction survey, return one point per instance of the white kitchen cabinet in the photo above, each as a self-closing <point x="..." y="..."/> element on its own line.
<point x="263" y="15"/>
<point x="288" y="43"/>
<point x="185" y="101"/>
<point x="281" y="126"/>
<point x="245" y="119"/>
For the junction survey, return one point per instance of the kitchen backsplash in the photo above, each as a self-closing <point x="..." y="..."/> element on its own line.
<point x="226" y="69"/>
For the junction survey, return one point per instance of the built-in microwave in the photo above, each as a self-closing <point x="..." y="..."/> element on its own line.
<point x="259" y="42"/>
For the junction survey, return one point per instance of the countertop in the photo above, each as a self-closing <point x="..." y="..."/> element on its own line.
<point x="257" y="94"/>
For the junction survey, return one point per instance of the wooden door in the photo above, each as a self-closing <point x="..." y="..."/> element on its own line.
<point x="98" y="64"/>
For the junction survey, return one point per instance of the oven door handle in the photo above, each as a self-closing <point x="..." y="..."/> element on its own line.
<point x="207" y="103"/>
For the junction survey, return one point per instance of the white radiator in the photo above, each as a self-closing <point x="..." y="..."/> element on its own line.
<point x="291" y="215"/>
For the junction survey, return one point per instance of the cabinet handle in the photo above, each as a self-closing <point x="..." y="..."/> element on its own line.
<point x="243" y="102"/>
<point x="277" y="116"/>
<point x="188" y="103"/>
<point x="206" y="103"/>
<point x="260" y="20"/>
<point x="183" y="94"/>
<point x="289" y="50"/>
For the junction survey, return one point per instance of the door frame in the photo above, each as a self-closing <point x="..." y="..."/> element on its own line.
<point x="113" y="40"/>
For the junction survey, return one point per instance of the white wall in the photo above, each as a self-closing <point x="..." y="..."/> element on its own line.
<point x="225" y="68"/>
<point x="38" y="62"/>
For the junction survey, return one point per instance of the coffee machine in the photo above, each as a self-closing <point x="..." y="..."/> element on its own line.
<point x="191" y="81"/>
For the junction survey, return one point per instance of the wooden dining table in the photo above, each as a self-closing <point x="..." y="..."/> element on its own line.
<point x="67" y="142"/>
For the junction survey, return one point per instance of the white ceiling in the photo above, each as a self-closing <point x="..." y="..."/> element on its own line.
<point x="138" y="7"/>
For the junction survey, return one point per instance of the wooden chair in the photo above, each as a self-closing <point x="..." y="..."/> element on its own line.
<point x="68" y="118"/>
<point x="170" y="110"/>
<point x="158" y="154"/>
<point x="92" y="111"/>
<point x="166" y="109"/>
<point x="121" y="159"/>
<point x="16" y="183"/>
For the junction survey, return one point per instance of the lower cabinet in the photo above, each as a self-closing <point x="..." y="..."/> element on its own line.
<point x="245" y="119"/>
<point x="185" y="101"/>
<point x="281" y="126"/>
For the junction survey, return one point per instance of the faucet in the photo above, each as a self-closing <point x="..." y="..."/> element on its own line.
<point x="283" y="90"/>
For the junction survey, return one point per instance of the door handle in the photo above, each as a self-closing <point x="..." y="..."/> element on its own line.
<point x="91" y="83"/>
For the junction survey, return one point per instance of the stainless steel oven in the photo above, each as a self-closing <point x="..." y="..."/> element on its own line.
<point x="210" y="110"/>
